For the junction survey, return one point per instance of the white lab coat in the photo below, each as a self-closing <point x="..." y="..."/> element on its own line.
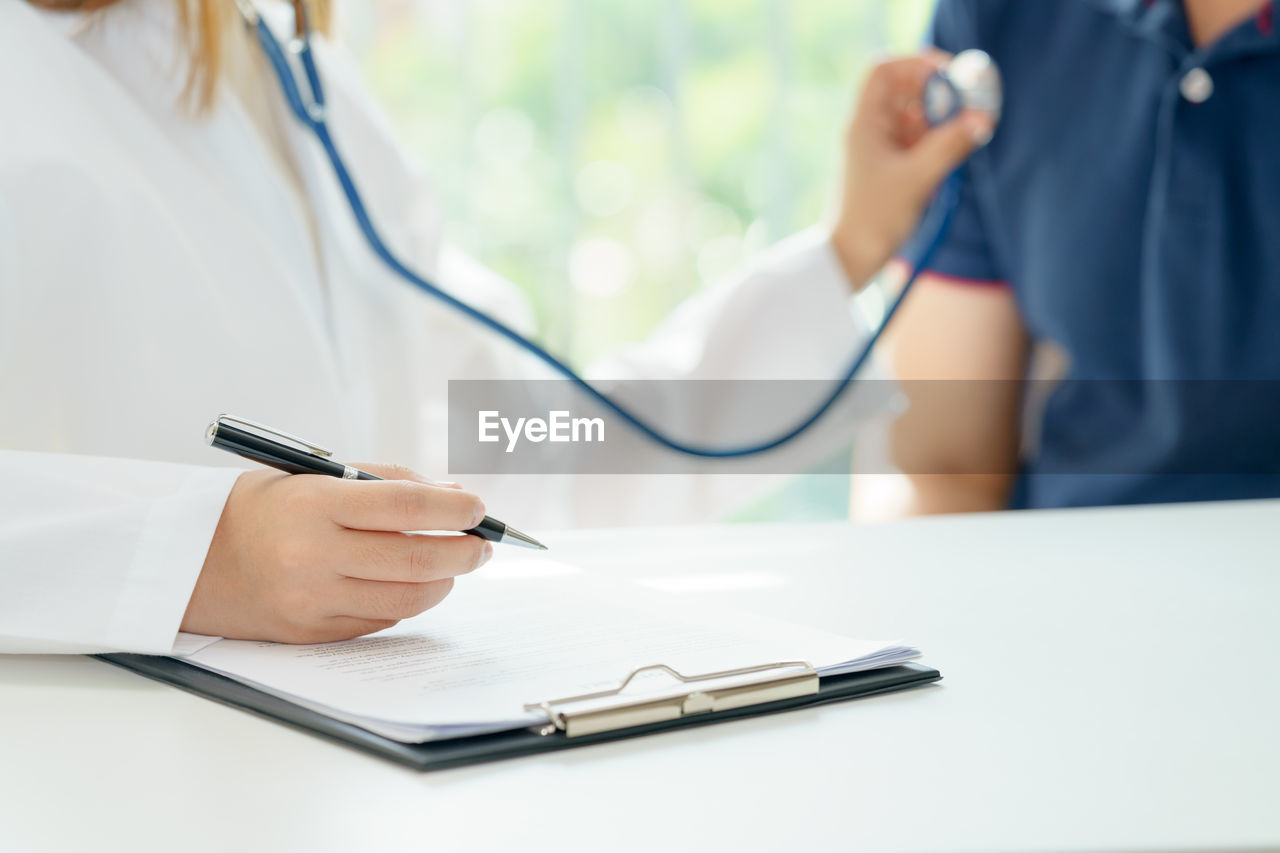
<point x="155" y="270"/>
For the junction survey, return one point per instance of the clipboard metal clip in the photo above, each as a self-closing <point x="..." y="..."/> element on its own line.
<point x="776" y="681"/>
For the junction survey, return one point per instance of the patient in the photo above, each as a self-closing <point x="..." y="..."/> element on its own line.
<point x="1118" y="233"/>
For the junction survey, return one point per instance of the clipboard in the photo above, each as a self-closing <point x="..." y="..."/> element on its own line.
<point x="771" y="688"/>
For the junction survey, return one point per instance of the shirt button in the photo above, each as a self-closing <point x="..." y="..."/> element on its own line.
<point x="1197" y="86"/>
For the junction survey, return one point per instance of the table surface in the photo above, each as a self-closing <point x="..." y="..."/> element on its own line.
<point x="1110" y="684"/>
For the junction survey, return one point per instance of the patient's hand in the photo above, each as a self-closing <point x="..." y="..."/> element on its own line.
<point x="309" y="559"/>
<point x="894" y="162"/>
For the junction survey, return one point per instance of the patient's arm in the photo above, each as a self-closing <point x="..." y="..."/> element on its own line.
<point x="958" y="442"/>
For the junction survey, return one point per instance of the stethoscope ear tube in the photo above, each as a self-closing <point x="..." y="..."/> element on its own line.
<point x="313" y="116"/>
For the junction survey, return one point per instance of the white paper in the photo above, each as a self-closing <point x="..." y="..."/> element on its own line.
<point x="526" y="632"/>
<point x="188" y="644"/>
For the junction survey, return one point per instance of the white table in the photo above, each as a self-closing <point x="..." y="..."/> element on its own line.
<point x="1111" y="684"/>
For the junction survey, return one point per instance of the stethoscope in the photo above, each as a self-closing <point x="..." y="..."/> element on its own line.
<point x="970" y="80"/>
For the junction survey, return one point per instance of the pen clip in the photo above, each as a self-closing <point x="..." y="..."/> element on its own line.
<point x="314" y="449"/>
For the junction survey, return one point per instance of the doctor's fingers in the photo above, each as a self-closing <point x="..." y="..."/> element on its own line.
<point x="942" y="149"/>
<point x="338" y="628"/>
<point x="892" y="97"/>
<point x="400" y="472"/>
<point x="407" y="558"/>
<point x="379" y="600"/>
<point x="393" y="505"/>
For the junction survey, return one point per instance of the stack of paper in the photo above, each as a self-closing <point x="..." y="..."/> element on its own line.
<point x="521" y="633"/>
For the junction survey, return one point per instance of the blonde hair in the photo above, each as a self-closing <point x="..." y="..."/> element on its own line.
<point x="204" y="24"/>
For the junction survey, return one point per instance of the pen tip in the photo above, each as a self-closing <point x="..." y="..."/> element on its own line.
<point x="515" y="537"/>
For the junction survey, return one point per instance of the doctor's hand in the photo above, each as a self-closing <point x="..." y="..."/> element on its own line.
<point x="894" y="162"/>
<point x="310" y="559"/>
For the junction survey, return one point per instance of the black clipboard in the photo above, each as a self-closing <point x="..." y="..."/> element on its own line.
<point x="444" y="754"/>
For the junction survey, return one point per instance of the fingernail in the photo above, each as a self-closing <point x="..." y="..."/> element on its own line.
<point x="980" y="129"/>
<point x="486" y="554"/>
<point x="480" y="514"/>
<point x="448" y="484"/>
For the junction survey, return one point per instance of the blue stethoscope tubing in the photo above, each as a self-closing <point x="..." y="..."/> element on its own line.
<point x="313" y="116"/>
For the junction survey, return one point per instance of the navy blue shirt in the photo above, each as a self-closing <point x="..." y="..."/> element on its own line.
<point x="1131" y="201"/>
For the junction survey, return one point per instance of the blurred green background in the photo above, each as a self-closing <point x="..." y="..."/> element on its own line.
<point x="613" y="157"/>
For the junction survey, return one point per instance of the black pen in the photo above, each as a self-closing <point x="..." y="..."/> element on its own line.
<point x="299" y="456"/>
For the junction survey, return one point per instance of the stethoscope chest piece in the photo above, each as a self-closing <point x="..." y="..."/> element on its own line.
<point x="970" y="81"/>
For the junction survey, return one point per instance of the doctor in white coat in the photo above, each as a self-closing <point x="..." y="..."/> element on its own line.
<point x="166" y="254"/>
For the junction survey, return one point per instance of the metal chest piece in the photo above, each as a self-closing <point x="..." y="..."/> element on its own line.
<point x="970" y="81"/>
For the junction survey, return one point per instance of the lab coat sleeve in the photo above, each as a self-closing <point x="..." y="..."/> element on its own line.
<point x="96" y="554"/>
<point x="748" y="361"/>
<point x="101" y="554"/>
<point x="787" y="317"/>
